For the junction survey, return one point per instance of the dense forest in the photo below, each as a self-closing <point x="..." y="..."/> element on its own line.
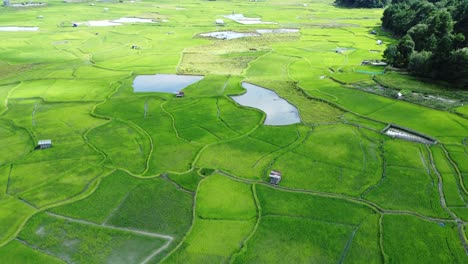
<point x="363" y="3"/>
<point x="434" y="38"/>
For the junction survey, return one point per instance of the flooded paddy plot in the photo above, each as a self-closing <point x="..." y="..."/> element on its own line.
<point x="133" y="20"/>
<point x="30" y="4"/>
<point x="229" y="34"/>
<point x="116" y="22"/>
<point x="165" y="83"/>
<point x="257" y="33"/>
<point x="406" y="134"/>
<point x="278" y="111"/>
<point x="241" y="19"/>
<point x="15" y="29"/>
<point x="278" y="31"/>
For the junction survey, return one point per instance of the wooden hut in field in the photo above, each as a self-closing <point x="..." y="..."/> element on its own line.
<point x="275" y="177"/>
<point x="43" y="144"/>
<point x="180" y="94"/>
<point x="219" y="22"/>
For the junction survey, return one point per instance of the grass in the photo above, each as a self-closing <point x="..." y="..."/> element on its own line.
<point x="212" y="241"/>
<point x="17" y="252"/>
<point x="77" y="242"/>
<point x="108" y="196"/>
<point x="238" y="157"/>
<point x="365" y="244"/>
<point x="136" y="143"/>
<point x="13" y="213"/>
<point x="169" y="212"/>
<point x="221" y="198"/>
<point x="452" y="192"/>
<point x="416" y="240"/>
<point x="16" y="140"/>
<point x="53" y="181"/>
<point x="407" y="189"/>
<point x="295" y="240"/>
<point x="188" y="181"/>
<point x="288" y="204"/>
<point x="329" y="161"/>
<point x="152" y="205"/>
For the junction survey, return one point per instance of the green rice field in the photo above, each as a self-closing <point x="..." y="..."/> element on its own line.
<point x="148" y="177"/>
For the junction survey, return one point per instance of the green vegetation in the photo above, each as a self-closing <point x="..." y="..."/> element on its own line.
<point x="332" y="161"/>
<point x="148" y="177"/>
<point x="435" y="38"/>
<point x="16" y="252"/>
<point x="219" y="196"/>
<point x="420" y="241"/>
<point x="78" y="242"/>
<point x="408" y="182"/>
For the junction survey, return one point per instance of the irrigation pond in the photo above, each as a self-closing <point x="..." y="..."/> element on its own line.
<point x="279" y="112"/>
<point x="163" y="83"/>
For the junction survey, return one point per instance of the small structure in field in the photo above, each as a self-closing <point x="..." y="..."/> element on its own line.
<point x="180" y="94"/>
<point x="379" y="42"/>
<point x="74" y="24"/>
<point x="219" y="22"/>
<point x="373" y="63"/>
<point x="43" y="144"/>
<point x="6" y="2"/>
<point x="135" y="47"/>
<point x="373" y="32"/>
<point x="275" y="177"/>
<point x="400" y="95"/>
<point x="395" y="131"/>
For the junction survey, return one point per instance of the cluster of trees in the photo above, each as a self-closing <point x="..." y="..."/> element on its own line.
<point x="363" y="3"/>
<point x="434" y="42"/>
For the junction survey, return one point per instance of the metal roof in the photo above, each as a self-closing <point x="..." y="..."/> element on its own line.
<point x="44" y="142"/>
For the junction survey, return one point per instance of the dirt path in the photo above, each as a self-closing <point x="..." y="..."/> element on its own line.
<point x="254" y="230"/>
<point x="454" y="165"/>
<point x="443" y="202"/>
<point x="124" y="229"/>
<point x="349" y="242"/>
<point x="376" y="208"/>
<point x="194" y="216"/>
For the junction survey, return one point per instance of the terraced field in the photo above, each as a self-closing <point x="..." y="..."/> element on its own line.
<point x="149" y="177"/>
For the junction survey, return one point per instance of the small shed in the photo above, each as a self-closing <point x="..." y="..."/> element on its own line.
<point x="74" y="24"/>
<point x="219" y="22"/>
<point x="400" y="95"/>
<point x="373" y="32"/>
<point x="379" y="42"/>
<point x="275" y="177"/>
<point x="180" y="94"/>
<point x="43" y="144"/>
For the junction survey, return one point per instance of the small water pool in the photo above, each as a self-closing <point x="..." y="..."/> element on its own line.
<point x="241" y="19"/>
<point x="278" y="31"/>
<point x="164" y="83"/>
<point x="278" y="111"/>
<point x="229" y="34"/>
<point x="14" y="29"/>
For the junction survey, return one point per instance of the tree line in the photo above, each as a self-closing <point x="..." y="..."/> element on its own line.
<point x="363" y="3"/>
<point x="434" y="38"/>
